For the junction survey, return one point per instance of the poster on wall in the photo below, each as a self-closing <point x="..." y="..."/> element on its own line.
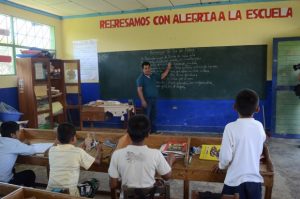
<point x="86" y="52"/>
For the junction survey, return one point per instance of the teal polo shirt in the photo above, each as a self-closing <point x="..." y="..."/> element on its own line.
<point x="149" y="85"/>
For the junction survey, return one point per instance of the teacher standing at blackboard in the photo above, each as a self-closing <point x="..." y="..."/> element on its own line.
<point x="148" y="92"/>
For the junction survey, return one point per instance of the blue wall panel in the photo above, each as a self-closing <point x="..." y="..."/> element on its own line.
<point x="10" y="96"/>
<point x="173" y="115"/>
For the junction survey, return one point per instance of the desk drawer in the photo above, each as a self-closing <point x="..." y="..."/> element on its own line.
<point x="92" y="116"/>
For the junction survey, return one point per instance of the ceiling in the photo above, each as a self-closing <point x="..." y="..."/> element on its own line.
<point x="72" y="8"/>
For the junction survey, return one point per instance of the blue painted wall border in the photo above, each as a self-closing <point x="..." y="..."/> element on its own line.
<point x="275" y="87"/>
<point x="186" y="115"/>
<point x="175" y="115"/>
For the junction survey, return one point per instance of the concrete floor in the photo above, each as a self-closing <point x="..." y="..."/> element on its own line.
<point x="285" y="154"/>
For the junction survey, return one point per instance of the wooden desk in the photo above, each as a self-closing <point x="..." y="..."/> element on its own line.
<point x="8" y="191"/>
<point x="198" y="170"/>
<point x="104" y="112"/>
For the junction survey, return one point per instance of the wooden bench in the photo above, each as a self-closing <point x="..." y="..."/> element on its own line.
<point x="197" y="170"/>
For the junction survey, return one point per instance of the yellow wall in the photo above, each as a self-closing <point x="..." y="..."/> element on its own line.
<point x="225" y="33"/>
<point x="11" y="81"/>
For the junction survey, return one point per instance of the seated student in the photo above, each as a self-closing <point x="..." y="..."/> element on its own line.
<point x="241" y="148"/>
<point x="65" y="160"/>
<point x="10" y="148"/>
<point x="123" y="142"/>
<point x="137" y="164"/>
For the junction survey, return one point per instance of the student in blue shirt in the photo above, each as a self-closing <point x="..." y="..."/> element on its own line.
<point x="147" y="90"/>
<point x="10" y="148"/>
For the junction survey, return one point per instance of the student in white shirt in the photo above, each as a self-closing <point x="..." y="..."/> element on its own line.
<point x="136" y="164"/>
<point x="10" y="148"/>
<point x="241" y="148"/>
<point x="65" y="160"/>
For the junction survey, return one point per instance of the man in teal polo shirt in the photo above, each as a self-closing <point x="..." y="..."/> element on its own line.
<point x="147" y="91"/>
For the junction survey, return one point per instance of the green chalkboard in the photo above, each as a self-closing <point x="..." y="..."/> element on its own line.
<point x="197" y="73"/>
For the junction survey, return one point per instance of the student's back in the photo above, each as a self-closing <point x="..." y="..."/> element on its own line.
<point x="10" y="148"/>
<point x="137" y="165"/>
<point x="65" y="160"/>
<point x="246" y="136"/>
<point x="241" y="148"/>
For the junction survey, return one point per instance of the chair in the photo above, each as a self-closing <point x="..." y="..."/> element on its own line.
<point x="160" y="190"/>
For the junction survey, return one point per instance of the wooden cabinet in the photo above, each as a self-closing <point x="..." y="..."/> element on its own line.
<point x="34" y="91"/>
<point x="66" y="76"/>
<point x="43" y="89"/>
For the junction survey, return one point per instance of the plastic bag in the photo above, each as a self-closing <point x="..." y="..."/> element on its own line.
<point x="88" y="188"/>
<point x="5" y="108"/>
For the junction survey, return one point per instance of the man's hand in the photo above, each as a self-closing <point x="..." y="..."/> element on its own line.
<point x="171" y="159"/>
<point x="216" y="169"/>
<point x="169" y="65"/>
<point x="82" y="145"/>
<point x="166" y="72"/>
<point x="144" y="104"/>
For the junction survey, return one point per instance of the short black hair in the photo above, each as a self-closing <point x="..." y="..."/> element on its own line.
<point x="65" y="133"/>
<point x="246" y="102"/>
<point x="145" y="63"/>
<point x="138" y="127"/>
<point x="8" y="128"/>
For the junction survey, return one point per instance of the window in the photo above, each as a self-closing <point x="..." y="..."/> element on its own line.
<point x="19" y="34"/>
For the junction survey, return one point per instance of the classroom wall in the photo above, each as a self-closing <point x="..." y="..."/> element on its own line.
<point x="188" y="115"/>
<point x="184" y="115"/>
<point x="8" y="89"/>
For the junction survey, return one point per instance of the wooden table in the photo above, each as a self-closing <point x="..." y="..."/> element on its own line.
<point x="197" y="170"/>
<point x="200" y="170"/>
<point x="9" y="191"/>
<point x="104" y="112"/>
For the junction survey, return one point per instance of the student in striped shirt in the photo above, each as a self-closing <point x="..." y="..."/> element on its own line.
<point x="65" y="160"/>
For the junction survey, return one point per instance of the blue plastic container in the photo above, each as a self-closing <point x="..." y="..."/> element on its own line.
<point x="10" y="116"/>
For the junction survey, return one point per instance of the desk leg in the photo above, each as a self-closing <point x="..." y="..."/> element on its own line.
<point x="268" y="192"/>
<point x="186" y="189"/>
<point x="48" y="171"/>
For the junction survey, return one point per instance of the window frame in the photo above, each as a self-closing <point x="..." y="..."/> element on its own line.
<point x="14" y="46"/>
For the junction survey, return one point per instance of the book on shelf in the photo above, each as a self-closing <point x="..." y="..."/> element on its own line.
<point x="178" y="148"/>
<point x="210" y="152"/>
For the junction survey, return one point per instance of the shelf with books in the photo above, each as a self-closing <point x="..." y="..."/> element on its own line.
<point x="34" y="89"/>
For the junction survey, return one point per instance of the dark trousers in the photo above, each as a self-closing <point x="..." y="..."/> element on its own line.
<point x="246" y="190"/>
<point x="25" y="178"/>
<point x="150" y="111"/>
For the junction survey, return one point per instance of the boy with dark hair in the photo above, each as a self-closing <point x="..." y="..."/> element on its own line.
<point x="10" y="148"/>
<point x="65" y="160"/>
<point x="137" y="164"/>
<point x="241" y="148"/>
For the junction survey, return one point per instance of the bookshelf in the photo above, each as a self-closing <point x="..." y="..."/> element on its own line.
<point x="44" y="87"/>
<point x="34" y="91"/>
<point x="72" y="87"/>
